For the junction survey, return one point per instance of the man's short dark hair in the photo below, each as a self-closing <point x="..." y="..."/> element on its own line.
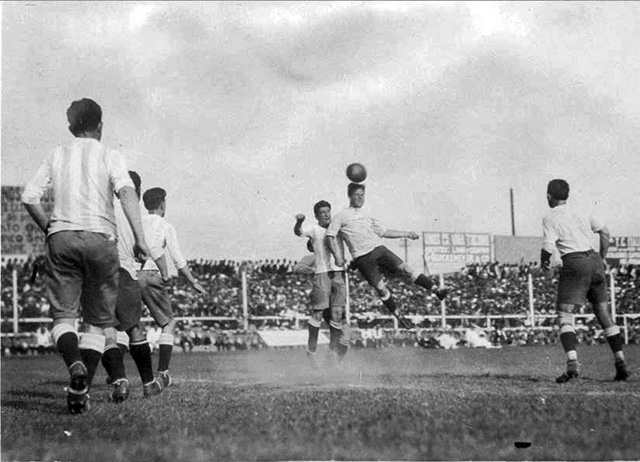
<point x="319" y="205"/>
<point x="353" y="187"/>
<point x="153" y="198"/>
<point x="558" y="189"/>
<point x="137" y="182"/>
<point x="84" y="115"/>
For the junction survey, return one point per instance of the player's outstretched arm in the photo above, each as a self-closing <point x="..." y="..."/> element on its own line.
<point x="395" y="234"/>
<point x="297" y="228"/>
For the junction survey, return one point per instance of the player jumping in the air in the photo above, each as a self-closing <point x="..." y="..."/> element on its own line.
<point x="582" y="276"/>
<point x="363" y="236"/>
<point x="161" y="237"/>
<point x="329" y="290"/>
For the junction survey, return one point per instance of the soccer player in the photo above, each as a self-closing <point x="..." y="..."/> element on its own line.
<point x="582" y="276"/>
<point x="162" y="241"/>
<point x="329" y="290"/>
<point x="131" y="333"/>
<point x="363" y="236"/>
<point x="81" y="266"/>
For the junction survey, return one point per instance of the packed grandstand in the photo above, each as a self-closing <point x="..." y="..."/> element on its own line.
<point x="277" y="298"/>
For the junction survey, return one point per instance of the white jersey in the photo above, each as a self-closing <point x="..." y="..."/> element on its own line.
<point x="569" y="232"/>
<point x="324" y="261"/>
<point x="161" y="238"/>
<point x="361" y="233"/>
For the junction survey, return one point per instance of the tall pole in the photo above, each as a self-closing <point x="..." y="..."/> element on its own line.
<point x="513" y="218"/>
<point x="245" y="301"/>
<point x="14" y="275"/>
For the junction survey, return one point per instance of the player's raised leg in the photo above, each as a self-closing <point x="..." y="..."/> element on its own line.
<point x="424" y="281"/>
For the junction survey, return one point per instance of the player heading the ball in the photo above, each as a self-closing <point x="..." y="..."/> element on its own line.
<point x="363" y="236"/>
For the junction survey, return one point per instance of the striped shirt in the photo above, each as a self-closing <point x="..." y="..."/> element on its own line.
<point x="569" y="232"/>
<point x="361" y="233"/>
<point x="161" y="238"/>
<point x="84" y="174"/>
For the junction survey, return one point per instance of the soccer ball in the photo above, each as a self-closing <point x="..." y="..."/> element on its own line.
<point x="356" y="173"/>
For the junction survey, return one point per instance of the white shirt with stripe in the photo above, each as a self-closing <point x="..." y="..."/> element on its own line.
<point x="324" y="261"/>
<point x="84" y="174"/>
<point x="162" y="239"/>
<point x="361" y="233"/>
<point x="567" y="231"/>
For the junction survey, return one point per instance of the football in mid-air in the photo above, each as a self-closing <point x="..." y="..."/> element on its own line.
<point x="356" y="173"/>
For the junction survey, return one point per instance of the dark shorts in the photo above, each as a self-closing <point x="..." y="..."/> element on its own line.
<point x="582" y="279"/>
<point x="329" y="290"/>
<point x="371" y="263"/>
<point x="81" y="274"/>
<point x="129" y="303"/>
<point x="155" y="297"/>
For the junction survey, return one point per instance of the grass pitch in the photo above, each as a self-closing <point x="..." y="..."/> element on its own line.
<point x="389" y="404"/>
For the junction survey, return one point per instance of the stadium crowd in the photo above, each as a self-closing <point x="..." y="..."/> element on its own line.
<point x="280" y="297"/>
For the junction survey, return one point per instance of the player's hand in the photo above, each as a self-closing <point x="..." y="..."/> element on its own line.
<point x="300" y="217"/>
<point x="413" y="235"/>
<point x="141" y="252"/>
<point x="340" y="261"/>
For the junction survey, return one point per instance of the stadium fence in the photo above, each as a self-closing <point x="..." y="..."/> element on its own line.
<point x="445" y="321"/>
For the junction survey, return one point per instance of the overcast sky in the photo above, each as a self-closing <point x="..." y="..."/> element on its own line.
<point x="248" y="113"/>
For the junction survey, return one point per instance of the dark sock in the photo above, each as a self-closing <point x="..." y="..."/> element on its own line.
<point x="390" y="303"/>
<point x="312" y="343"/>
<point x="164" y="357"/>
<point x="113" y="364"/>
<point x="68" y="348"/>
<point x="91" y="359"/>
<point x="569" y="341"/>
<point x="141" y="354"/>
<point x="334" y="337"/>
<point x="123" y="349"/>
<point x="615" y="343"/>
<point x="342" y="350"/>
<point x="424" y="281"/>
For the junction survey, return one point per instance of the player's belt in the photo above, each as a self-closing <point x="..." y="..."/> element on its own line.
<point x="586" y="253"/>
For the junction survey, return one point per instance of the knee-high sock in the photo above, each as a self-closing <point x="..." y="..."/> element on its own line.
<point x="314" y="329"/>
<point x="141" y="354"/>
<point x="164" y="356"/>
<point x="91" y="348"/>
<point x="423" y="281"/>
<point x="113" y="363"/>
<point x="389" y="302"/>
<point x="612" y="334"/>
<point x="335" y="332"/>
<point x="65" y="338"/>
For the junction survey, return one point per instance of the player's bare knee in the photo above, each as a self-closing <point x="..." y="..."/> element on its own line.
<point x="565" y="317"/>
<point x="316" y="315"/>
<point x="382" y="290"/>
